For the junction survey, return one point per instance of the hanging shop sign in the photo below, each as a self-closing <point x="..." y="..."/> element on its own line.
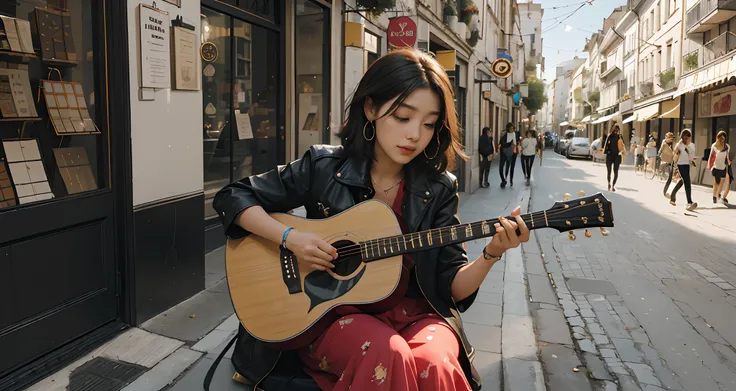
<point x="501" y="68"/>
<point x="402" y="32"/>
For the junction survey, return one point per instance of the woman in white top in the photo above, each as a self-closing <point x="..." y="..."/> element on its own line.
<point x="717" y="163"/>
<point x="528" y="150"/>
<point x="684" y="155"/>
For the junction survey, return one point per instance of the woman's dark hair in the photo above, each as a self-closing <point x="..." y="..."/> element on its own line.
<point x="615" y="128"/>
<point x="509" y="126"/>
<point x="396" y="75"/>
<point x="486" y="129"/>
<point x="685" y="133"/>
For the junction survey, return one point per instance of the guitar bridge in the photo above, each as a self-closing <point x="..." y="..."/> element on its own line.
<point x="290" y="270"/>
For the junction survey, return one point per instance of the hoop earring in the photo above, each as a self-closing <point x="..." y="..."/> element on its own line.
<point x="374" y="131"/>
<point x="438" y="149"/>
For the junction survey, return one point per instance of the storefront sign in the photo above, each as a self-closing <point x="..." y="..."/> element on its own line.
<point x="723" y="103"/>
<point x="402" y="32"/>
<point x="155" y="44"/>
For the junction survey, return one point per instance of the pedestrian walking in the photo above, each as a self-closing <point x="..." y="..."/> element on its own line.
<point x="666" y="156"/>
<point x="540" y="147"/>
<point x="684" y="156"/>
<point x="718" y="161"/>
<point x="401" y="139"/>
<point x="486" y="150"/>
<point x="729" y="181"/>
<point x="508" y="149"/>
<point x="614" y="149"/>
<point x="529" y="148"/>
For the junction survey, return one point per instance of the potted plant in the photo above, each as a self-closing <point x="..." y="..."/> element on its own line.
<point x="450" y="14"/>
<point x="666" y="77"/>
<point x="474" y="37"/>
<point x="691" y="61"/>
<point x="376" y="7"/>
<point x="468" y="9"/>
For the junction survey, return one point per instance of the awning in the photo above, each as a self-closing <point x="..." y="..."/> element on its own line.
<point x="564" y="123"/>
<point x="647" y="113"/>
<point x="670" y="109"/>
<point x="606" y="118"/>
<point x="628" y="119"/>
<point x="585" y="120"/>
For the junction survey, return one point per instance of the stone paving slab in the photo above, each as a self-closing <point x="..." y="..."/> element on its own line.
<point x="559" y="361"/>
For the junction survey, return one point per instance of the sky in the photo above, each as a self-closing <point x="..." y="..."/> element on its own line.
<point x="560" y="41"/>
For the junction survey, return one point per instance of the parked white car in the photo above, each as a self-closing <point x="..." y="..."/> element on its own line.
<point x="578" y="146"/>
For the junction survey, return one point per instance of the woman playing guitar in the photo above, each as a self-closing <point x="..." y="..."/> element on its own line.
<point x="398" y="145"/>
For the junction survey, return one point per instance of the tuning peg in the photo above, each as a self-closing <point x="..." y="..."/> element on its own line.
<point x="566" y="196"/>
<point x="581" y="193"/>
<point x="604" y="232"/>
<point x="588" y="234"/>
<point x="571" y="236"/>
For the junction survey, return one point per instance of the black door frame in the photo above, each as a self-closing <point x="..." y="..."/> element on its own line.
<point x="117" y="198"/>
<point x="212" y="229"/>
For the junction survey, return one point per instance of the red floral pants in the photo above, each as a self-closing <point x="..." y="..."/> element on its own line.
<point x="407" y="348"/>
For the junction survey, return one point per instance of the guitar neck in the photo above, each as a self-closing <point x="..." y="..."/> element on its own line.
<point x="376" y="249"/>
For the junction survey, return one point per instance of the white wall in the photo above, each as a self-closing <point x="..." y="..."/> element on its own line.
<point x="166" y="134"/>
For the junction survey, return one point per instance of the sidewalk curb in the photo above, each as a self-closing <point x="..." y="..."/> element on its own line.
<point x="522" y="369"/>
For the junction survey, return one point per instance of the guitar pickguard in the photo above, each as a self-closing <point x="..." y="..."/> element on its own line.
<point x="321" y="287"/>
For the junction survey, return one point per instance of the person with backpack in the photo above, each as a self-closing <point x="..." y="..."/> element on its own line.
<point x="486" y="151"/>
<point x="684" y="156"/>
<point x="718" y="162"/>
<point x="507" y="147"/>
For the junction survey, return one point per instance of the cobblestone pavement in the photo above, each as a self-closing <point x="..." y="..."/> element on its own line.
<point x="652" y="305"/>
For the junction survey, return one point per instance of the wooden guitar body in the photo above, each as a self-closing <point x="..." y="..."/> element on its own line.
<point x="257" y="277"/>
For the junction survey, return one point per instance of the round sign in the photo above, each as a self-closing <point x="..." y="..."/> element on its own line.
<point x="208" y="51"/>
<point x="402" y="32"/>
<point x="501" y="68"/>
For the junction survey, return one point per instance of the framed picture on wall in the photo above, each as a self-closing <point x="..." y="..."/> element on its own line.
<point x="174" y="2"/>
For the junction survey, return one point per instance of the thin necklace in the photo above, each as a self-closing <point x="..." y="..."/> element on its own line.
<point x="389" y="189"/>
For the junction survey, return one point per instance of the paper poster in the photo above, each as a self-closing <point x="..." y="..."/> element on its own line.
<point x="155" y="46"/>
<point x="245" y="131"/>
<point x="185" y="60"/>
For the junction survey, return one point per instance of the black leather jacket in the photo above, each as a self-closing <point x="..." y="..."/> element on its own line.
<point x="326" y="182"/>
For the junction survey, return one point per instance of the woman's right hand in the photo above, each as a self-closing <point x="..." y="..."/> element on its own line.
<point x="311" y="249"/>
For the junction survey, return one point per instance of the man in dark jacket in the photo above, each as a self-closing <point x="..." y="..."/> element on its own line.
<point x="486" y="151"/>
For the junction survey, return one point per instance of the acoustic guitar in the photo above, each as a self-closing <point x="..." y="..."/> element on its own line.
<point x="279" y="298"/>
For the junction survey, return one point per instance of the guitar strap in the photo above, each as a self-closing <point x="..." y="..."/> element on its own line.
<point x="213" y="368"/>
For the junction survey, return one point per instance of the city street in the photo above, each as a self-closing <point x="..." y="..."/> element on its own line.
<point x="650" y="306"/>
<point x="654" y="300"/>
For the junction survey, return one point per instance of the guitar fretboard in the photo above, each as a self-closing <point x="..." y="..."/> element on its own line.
<point x="376" y="249"/>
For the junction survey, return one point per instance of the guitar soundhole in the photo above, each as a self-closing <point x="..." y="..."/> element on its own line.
<point x="344" y="266"/>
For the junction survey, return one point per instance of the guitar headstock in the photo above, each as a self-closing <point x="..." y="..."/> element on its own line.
<point x="581" y="213"/>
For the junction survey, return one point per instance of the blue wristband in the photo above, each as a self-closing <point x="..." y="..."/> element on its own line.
<point x="283" y="238"/>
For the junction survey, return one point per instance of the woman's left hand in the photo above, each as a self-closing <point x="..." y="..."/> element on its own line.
<point x="506" y="237"/>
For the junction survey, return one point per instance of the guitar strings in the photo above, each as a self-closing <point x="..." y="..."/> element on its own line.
<point x="372" y="245"/>
<point x="376" y="244"/>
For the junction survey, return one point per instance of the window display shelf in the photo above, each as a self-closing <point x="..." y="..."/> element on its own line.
<point x="21" y="119"/>
<point x="5" y="54"/>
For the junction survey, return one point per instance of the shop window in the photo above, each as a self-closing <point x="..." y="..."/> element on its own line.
<point x="309" y="63"/>
<point x="53" y="128"/>
<point x="239" y="101"/>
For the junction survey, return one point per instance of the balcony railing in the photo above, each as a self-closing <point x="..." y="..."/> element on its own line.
<point x="715" y="49"/>
<point x="690" y="61"/>
<point x="646" y="87"/>
<point x="708" y="12"/>
<point x="666" y="79"/>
